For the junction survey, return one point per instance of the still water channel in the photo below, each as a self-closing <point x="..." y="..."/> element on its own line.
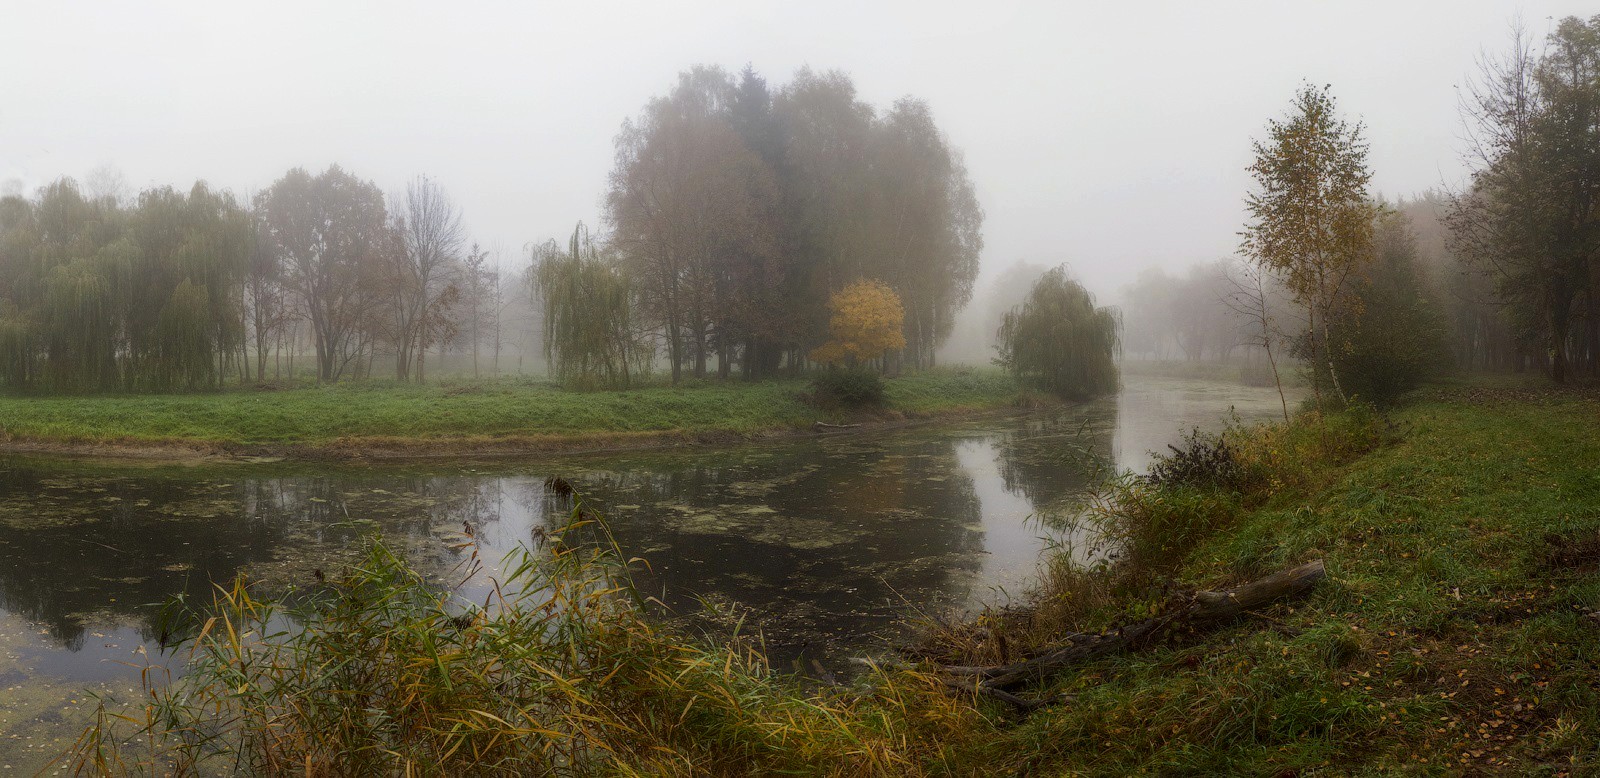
<point x="823" y="543"/>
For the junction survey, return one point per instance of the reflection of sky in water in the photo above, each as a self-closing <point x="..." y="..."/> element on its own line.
<point x="1010" y="539"/>
<point x="825" y="542"/>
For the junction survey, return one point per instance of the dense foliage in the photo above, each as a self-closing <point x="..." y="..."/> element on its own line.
<point x="1531" y="220"/>
<point x="95" y="296"/>
<point x="182" y="290"/>
<point x="1059" y="341"/>
<point x="848" y="387"/>
<point x="866" y="324"/>
<point x="1388" y="336"/>
<point x="739" y="210"/>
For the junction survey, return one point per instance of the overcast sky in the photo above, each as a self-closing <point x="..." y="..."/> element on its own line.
<point x="1111" y="135"/>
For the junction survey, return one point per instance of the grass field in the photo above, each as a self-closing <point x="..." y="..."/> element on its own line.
<point x="446" y="411"/>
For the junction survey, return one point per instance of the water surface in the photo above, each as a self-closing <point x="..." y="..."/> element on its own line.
<point x="822" y="544"/>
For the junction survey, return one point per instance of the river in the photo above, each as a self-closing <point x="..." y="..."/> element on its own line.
<point x="823" y="544"/>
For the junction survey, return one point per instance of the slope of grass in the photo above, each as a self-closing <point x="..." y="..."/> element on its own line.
<point x="444" y="411"/>
<point x="1458" y="631"/>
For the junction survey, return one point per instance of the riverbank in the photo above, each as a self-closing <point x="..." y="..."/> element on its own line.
<point x="474" y="419"/>
<point x="1455" y="632"/>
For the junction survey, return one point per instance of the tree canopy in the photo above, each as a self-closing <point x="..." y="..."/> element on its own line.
<point x="1311" y="216"/>
<point x="867" y="322"/>
<point x="738" y="211"/>
<point x="1059" y="341"/>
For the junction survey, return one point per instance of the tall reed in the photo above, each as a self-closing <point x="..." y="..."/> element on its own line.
<point x="560" y="670"/>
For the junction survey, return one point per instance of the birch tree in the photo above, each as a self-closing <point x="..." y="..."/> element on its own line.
<point x="1311" y="217"/>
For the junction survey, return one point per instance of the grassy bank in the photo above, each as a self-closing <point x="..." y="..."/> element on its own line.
<point x="1455" y="633"/>
<point x="507" y="413"/>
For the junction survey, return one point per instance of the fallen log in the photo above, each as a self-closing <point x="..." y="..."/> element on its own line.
<point x="822" y="426"/>
<point x="1194" y="610"/>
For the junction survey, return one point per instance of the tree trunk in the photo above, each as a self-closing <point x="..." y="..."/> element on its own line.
<point x="1266" y="343"/>
<point x="1195" y="611"/>
<point x="675" y="353"/>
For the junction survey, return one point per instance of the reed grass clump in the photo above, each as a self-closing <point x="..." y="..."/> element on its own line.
<point x="561" y="670"/>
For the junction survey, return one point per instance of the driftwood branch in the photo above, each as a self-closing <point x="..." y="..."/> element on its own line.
<point x="1194" y="610"/>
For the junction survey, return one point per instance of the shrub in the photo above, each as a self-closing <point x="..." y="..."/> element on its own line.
<point x="853" y="387"/>
<point x="1204" y="460"/>
<point x="1389" y="337"/>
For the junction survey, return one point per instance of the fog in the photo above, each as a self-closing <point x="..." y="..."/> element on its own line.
<point x="1113" y="138"/>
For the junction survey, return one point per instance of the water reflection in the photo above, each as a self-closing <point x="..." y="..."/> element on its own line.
<point x="823" y="542"/>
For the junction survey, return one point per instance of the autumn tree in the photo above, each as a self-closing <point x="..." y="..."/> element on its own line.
<point x="1531" y="218"/>
<point x="691" y="208"/>
<point x="1311" y="217"/>
<point x="739" y="210"/>
<point x="825" y="133"/>
<point x="867" y="321"/>
<point x="329" y="231"/>
<point x="1059" y="341"/>
<point x="926" y="225"/>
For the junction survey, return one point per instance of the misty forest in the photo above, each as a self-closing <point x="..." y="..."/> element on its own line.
<point x="775" y="457"/>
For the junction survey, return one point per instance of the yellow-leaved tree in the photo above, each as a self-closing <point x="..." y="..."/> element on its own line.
<point x="868" y="320"/>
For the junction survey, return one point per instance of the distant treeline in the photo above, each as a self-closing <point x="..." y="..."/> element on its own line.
<point x="733" y="213"/>
<point x="1502" y="276"/>
<point x="183" y="290"/>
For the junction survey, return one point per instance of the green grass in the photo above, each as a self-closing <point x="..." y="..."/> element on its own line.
<point x="446" y="411"/>
<point x="1453" y="633"/>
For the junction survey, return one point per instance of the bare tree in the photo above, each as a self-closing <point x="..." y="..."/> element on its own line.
<point x="429" y="240"/>
<point x="481" y="282"/>
<point x="1248" y="298"/>
<point x="264" y="298"/>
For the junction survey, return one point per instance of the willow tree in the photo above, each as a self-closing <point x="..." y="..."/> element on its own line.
<point x="103" y="294"/>
<point x="1059" y="341"/>
<point x="182" y="288"/>
<point x="1311" y="217"/>
<point x="588" y="331"/>
<point x="80" y="327"/>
